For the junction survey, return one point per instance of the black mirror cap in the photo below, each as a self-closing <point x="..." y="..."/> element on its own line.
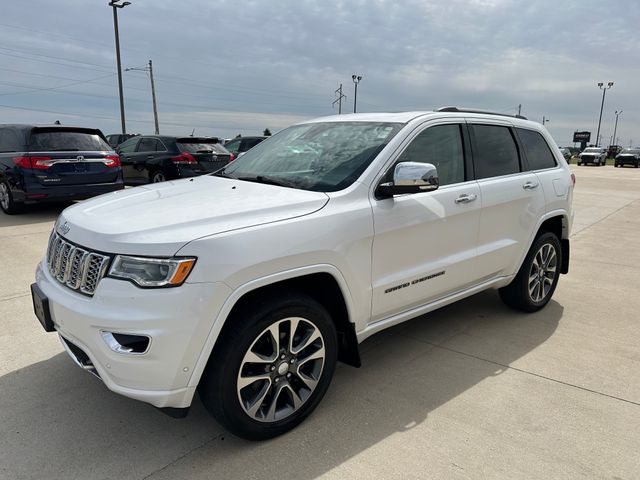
<point x="388" y="190"/>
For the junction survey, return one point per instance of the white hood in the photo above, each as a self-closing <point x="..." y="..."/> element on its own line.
<point x="159" y="219"/>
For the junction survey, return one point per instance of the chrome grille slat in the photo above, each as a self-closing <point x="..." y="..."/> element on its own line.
<point x="76" y="267"/>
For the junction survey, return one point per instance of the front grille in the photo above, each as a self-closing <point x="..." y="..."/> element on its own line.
<point x="78" y="268"/>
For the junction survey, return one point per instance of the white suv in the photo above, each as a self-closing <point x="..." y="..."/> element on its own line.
<point x="249" y="284"/>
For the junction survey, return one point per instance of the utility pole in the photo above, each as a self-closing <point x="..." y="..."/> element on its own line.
<point x="356" y="79"/>
<point x="604" y="92"/>
<point x="519" y="109"/>
<point x="153" y="97"/>
<point x="116" y="5"/>
<point x="615" y="129"/>
<point x="149" y="69"/>
<point x="339" y="99"/>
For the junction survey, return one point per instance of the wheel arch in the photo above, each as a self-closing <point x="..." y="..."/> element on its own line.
<point x="324" y="283"/>
<point x="558" y="224"/>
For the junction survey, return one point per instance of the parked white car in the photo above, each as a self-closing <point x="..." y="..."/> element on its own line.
<point x="248" y="285"/>
<point x="595" y="155"/>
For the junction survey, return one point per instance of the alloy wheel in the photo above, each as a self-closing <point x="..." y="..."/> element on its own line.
<point x="4" y="196"/>
<point x="543" y="272"/>
<point x="281" y="369"/>
<point x="158" y="177"/>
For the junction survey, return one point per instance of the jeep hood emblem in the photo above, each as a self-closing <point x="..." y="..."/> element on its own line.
<point x="64" y="228"/>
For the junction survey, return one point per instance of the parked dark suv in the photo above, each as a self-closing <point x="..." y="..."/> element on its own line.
<point x="239" y="145"/>
<point x="116" y="139"/>
<point x="156" y="158"/>
<point x="42" y="163"/>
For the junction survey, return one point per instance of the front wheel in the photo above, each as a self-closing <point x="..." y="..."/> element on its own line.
<point x="533" y="286"/>
<point x="271" y="367"/>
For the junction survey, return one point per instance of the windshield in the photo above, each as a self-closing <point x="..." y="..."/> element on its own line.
<point x="632" y="151"/>
<point x="592" y="150"/>
<point x="323" y="157"/>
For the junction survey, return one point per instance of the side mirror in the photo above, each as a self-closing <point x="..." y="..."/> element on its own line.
<point x="410" y="177"/>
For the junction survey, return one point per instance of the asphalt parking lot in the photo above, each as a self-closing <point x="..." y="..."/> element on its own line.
<point x="473" y="390"/>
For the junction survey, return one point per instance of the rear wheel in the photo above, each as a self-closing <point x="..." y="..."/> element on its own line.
<point x="271" y="368"/>
<point x="533" y="286"/>
<point x="158" y="176"/>
<point x="7" y="203"/>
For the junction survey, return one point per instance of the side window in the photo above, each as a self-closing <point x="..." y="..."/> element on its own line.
<point x="129" y="146"/>
<point x="159" y="146"/>
<point x="441" y="146"/>
<point x="495" y="151"/>
<point x="536" y="149"/>
<point x="232" y="146"/>
<point x="147" y="145"/>
<point x="9" y="141"/>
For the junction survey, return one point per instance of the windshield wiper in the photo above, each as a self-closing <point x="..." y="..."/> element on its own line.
<point x="270" y="181"/>
<point x="220" y="173"/>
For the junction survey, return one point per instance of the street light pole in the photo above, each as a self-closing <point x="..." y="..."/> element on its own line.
<point x="356" y="79"/>
<point x="604" y="92"/>
<point x="115" y="5"/>
<point x="149" y="69"/>
<point x="615" y="129"/>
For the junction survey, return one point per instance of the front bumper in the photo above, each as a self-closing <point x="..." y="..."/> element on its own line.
<point x="177" y="320"/>
<point x="626" y="160"/>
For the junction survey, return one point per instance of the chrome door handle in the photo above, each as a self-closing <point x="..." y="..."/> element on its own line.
<point x="530" y="185"/>
<point x="149" y="157"/>
<point x="466" y="198"/>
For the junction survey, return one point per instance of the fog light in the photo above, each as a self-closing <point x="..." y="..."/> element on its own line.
<point x="126" y="343"/>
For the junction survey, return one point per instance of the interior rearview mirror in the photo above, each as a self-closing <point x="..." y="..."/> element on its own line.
<point x="410" y="177"/>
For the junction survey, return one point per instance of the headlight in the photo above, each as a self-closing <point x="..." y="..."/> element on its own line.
<point x="152" y="272"/>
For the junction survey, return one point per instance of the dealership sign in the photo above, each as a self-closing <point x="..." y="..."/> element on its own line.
<point x="581" y="136"/>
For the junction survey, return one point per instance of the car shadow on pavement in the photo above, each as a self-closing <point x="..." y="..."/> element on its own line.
<point x="31" y="214"/>
<point x="58" y="422"/>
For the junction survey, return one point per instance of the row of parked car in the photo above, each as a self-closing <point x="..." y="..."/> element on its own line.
<point x="55" y="162"/>
<point x="598" y="156"/>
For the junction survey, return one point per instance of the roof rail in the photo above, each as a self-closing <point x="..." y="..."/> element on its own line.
<point x="475" y="110"/>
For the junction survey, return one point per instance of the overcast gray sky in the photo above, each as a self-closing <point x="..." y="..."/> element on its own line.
<point x="227" y="67"/>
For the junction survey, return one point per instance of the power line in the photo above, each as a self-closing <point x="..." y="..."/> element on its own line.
<point x="71" y="60"/>
<point x="53" y="88"/>
<point x="102" y="117"/>
<point x="82" y="41"/>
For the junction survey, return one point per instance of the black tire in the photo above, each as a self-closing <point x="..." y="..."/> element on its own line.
<point x="157" y="176"/>
<point x="517" y="294"/>
<point x="245" y="331"/>
<point x="635" y="164"/>
<point x="7" y="204"/>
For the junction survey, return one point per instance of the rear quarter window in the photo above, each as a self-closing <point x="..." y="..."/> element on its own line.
<point x="536" y="149"/>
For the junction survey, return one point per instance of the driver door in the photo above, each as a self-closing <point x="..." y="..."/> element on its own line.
<point x="424" y="246"/>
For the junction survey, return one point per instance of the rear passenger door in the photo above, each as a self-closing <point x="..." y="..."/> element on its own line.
<point x="143" y="159"/>
<point x="512" y="199"/>
<point x="127" y="151"/>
